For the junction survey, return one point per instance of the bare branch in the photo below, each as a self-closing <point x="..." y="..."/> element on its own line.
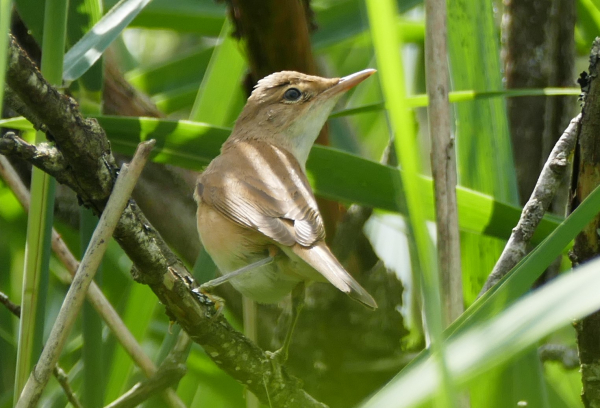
<point x="58" y="372"/>
<point x="63" y="380"/>
<point x="533" y="212"/>
<point x="169" y="373"/>
<point x="43" y="156"/>
<point x="12" y="307"/>
<point x="140" y="392"/>
<point x="84" y="276"/>
<point x="565" y="355"/>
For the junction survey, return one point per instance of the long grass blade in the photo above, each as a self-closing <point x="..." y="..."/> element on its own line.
<point x="484" y="148"/>
<point x="5" y="11"/>
<point x="180" y="72"/>
<point x="193" y="145"/>
<point x="92" y="45"/>
<point x="39" y="225"/>
<point x="421" y="101"/>
<point x="221" y="82"/>
<point x="382" y="15"/>
<point x="516" y="283"/>
<point x="184" y="16"/>
<point x="491" y="343"/>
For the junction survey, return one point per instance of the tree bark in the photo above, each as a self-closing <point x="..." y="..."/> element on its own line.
<point x="586" y="176"/>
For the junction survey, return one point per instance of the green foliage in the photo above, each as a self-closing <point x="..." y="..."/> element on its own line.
<point x="475" y="351"/>
<point x="185" y="60"/>
<point x="193" y="145"/>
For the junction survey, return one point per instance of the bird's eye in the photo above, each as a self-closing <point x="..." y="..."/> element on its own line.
<point x="292" y="95"/>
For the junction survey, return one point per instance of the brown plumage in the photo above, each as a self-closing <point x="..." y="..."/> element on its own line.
<point x="254" y="198"/>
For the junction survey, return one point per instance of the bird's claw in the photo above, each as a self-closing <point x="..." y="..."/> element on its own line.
<point x="279" y="356"/>
<point x="277" y="359"/>
<point x="217" y="301"/>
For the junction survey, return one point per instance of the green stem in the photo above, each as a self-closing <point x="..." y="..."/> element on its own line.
<point x="39" y="224"/>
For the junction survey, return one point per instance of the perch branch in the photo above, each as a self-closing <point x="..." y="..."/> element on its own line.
<point x="156" y="264"/>
<point x="75" y="136"/>
<point x="18" y="106"/>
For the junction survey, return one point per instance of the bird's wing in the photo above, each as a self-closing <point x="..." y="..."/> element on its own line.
<point x="262" y="187"/>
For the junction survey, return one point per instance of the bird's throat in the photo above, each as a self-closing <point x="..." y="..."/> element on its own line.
<point x="299" y="137"/>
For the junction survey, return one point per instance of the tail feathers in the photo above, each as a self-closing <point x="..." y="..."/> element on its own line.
<point x="321" y="259"/>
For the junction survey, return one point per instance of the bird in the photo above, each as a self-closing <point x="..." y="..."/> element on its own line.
<point x="257" y="214"/>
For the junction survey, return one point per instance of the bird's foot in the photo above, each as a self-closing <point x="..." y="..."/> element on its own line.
<point x="273" y="251"/>
<point x="217" y="301"/>
<point x="279" y="356"/>
<point x="277" y="359"/>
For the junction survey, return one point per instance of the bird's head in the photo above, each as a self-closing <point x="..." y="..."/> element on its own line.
<point x="289" y="109"/>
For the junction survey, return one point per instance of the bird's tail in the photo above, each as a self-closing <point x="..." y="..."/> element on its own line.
<point x="321" y="259"/>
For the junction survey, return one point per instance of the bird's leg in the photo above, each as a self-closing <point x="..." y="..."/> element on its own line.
<point x="298" y="293"/>
<point x="213" y="283"/>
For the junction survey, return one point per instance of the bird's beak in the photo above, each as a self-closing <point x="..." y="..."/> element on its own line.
<point x="350" y="81"/>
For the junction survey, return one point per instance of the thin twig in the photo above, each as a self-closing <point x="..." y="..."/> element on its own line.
<point x="95" y="296"/>
<point x="533" y="212"/>
<point x="16" y="104"/>
<point x="58" y="372"/>
<point x="63" y="380"/>
<point x="565" y="355"/>
<point x="12" y="307"/>
<point x="169" y="373"/>
<point x="140" y="392"/>
<point x="443" y="160"/>
<point x="43" y="156"/>
<point x="84" y="276"/>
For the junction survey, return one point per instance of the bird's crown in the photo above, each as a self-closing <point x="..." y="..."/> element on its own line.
<point x="279" y="84"/>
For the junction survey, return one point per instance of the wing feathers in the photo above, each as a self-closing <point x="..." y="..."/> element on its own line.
<point x="284" y="208"/>
<point x="321" y="259"/>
